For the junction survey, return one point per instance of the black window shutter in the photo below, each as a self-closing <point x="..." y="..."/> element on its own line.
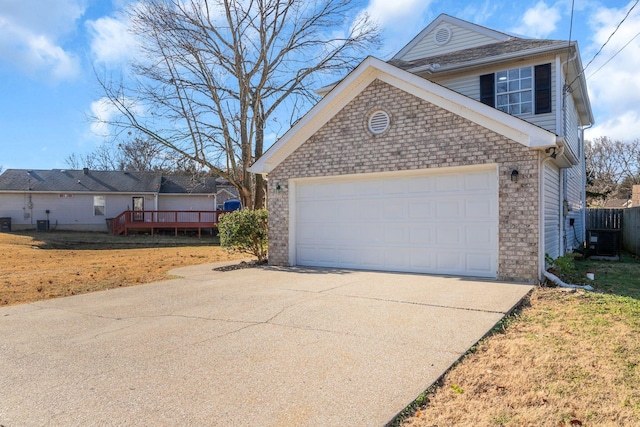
<point x="543" y="88"/>
<point x="487" y="89"/>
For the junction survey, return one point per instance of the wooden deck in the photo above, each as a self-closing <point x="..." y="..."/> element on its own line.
<point x="153" y="221"/>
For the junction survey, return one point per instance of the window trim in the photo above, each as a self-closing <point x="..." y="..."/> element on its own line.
<point x="519" y="91"/>
<point x="103" y="205"/>
<point x="541" y="89"/>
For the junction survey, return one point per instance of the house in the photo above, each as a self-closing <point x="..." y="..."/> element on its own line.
<point x="84" y="199"/>
<point x="225" y="191"/>
<point x="618" y="203"/>
<point x="461" y="155"/>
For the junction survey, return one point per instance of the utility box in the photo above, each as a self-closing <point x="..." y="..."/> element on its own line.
<point x="5" y="225"/>
<point x="605" y="243"/>
<point x="43" y="225"/>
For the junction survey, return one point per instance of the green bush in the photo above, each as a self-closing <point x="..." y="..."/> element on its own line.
<point x="245" y="231"/>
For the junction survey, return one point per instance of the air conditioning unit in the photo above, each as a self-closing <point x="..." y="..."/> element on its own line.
<point x="604" y="242"/>
<point x="43" y="225"/>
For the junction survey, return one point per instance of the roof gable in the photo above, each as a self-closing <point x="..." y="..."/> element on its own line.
<point x="448" y="34"/>
<point x="370" y="69"/>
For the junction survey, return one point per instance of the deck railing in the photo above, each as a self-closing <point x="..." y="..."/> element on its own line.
<point x="157" y="220"/>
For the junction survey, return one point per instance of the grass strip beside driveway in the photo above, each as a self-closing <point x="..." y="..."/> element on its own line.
<point x="566" y="359"/>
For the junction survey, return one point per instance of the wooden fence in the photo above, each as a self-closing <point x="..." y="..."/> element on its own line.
<point x="626" y="220"/>
<point x="631" y="230"/>
<point x="604" y="219"/>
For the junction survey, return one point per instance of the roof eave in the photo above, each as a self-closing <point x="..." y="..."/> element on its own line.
<point x="476" y="63"/>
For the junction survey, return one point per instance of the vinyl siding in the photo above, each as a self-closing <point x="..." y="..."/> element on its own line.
<point x="461" y="38"/>
<point x="575" y="183"/>
<point x="551" y="210"/>
<point x="65" y="213"/>
<point x="468" y="84"/>
<point x="571" y="128"/>
<point x="187" y="202"/>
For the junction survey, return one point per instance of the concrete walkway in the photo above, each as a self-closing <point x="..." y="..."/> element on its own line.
<point x="254" y="347"/>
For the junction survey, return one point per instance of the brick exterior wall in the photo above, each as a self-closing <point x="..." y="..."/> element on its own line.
<point x="421" y="136"/>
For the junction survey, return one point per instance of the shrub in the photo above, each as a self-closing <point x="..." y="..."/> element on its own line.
<point x="245" y="231"/>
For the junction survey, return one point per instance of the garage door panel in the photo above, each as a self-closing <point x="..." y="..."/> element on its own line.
<point x="478" y="208"/>
<point x="448" y="261"/>
<point x="395" y="210"/>
<point x="477" y="236"/>
<point x="448" y="209"/>
<point x="444" y="223"/>
<point x="397" y="259"/>
<point x="448" y="235"/>
<point x="421" y="208"/>
<point x="421" y="234"/>
<point x="371" y="257"/>
<point x="447" y="183"/>
<point x="422" y="260"/>
<point x="395" y="234"/>
<point x="479" y="182"/>
<point x="369" y="210"/>
<point x="420" y="185"/>
<point x="480" y="263"/>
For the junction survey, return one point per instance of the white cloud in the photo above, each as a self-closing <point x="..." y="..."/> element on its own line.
<point x="615" y="88"/>
<point x="104" y="112"/>
<point x="390" y="13"/>
<point x="539" y="21"/>
<point x="399" y="20"/>
<point x="30" y="37"/>
<point x="624" y="127"/>
<point x="479" y="12"/>
<point x="111" y="41"/>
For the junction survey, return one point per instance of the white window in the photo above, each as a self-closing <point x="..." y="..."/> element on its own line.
<point x="514" y="93"/>
<point x="98" y="205"/>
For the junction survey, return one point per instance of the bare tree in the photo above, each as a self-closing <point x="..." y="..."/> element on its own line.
<point x="136" y="154"/>
<point x="613" y="167"/>
<point x="214" y="73"/>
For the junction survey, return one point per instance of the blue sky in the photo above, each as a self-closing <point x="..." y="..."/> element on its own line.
<point x="50" y="48"/>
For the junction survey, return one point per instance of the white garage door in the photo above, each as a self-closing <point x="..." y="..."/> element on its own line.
<point x="442" y="223"/>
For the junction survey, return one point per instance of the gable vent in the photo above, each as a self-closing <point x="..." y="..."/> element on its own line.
<point x="378" y="122"/>
<point x="442" y="35"/>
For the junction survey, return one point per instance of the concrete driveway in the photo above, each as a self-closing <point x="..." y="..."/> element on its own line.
<point x="255" y="347"/>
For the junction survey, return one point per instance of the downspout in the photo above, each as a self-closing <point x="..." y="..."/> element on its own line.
<point x="565" y="90"/>
<point x="541" y="220"/>
<point x="584" y="184"/>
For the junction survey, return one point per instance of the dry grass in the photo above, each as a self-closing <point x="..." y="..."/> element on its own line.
<point x="568" y="359"/>
<point x="31" y="272"/>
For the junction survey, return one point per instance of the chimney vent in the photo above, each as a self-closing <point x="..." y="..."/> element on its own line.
<point x="85" y="171"/>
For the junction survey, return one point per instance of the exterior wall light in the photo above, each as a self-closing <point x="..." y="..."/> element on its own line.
<point x="278" y="188"/>
<point x="514" y="175"/>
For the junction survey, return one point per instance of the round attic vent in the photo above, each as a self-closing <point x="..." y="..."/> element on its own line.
<point x="442" y="35"/>
<point x="378" y="122"/>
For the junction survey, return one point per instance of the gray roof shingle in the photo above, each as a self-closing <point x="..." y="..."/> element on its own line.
<point x="488" y="51"/>
<point x="77" y="181"/>
<point x="188" y="185"/>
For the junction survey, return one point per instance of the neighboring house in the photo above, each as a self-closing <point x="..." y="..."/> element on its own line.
<point x="618" y="203"/>
<point x="83" y="199"/>
<point x="225" y="191"/>
<point x="415" y="164"/>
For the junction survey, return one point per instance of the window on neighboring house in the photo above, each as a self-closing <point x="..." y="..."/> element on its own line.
<point x="98" y="205"/>
<point x="518" y="91"/>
